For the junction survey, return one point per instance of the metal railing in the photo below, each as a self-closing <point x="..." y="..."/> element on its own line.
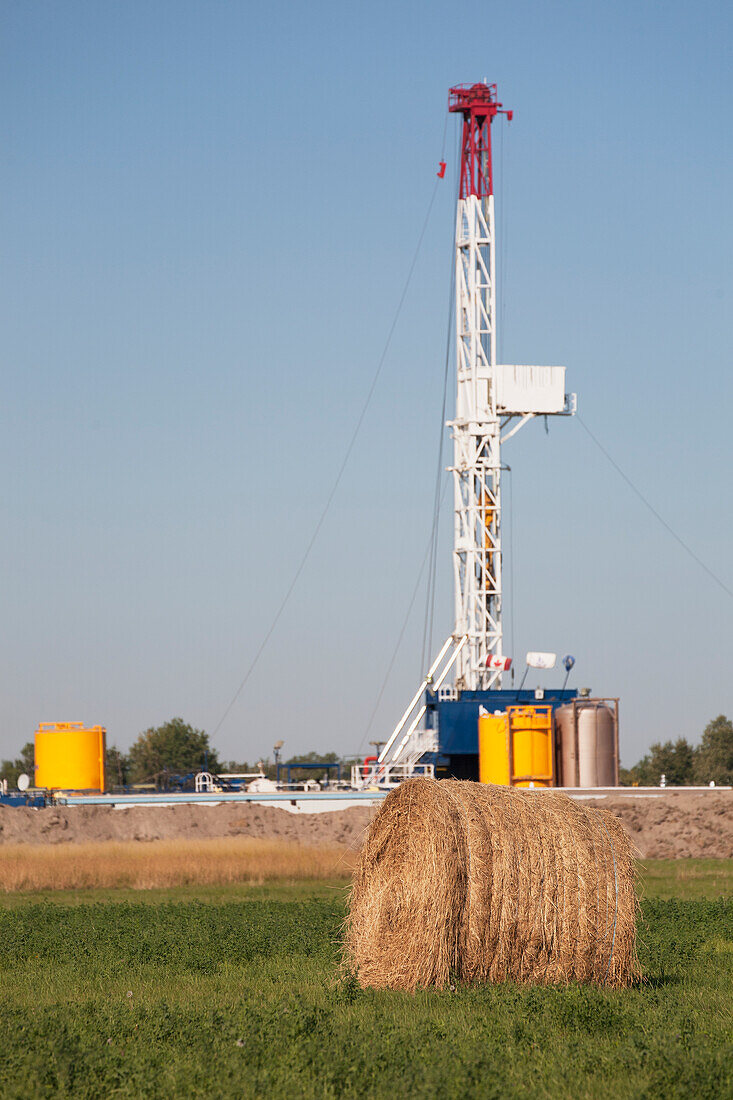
<point x="382" y="776"/>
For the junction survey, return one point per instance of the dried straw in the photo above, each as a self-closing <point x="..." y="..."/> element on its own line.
<point x="467" y="882"/>
<point x="167" y="863"/>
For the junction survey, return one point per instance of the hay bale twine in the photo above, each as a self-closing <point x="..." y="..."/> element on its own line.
<point x="469" y="882"/>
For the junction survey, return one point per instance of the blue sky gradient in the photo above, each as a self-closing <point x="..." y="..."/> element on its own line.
<point x="210" y="210"/>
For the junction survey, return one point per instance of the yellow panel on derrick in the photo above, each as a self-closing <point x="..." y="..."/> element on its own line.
<point x="69" y="756"/>
<point x="517" y="749"/>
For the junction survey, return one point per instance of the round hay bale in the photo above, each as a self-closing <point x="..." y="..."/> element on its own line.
<point x="467" y="882"/>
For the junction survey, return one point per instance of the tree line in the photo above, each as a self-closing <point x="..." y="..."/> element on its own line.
<point x="177" y="748"/>
<point x="685" y="765"/>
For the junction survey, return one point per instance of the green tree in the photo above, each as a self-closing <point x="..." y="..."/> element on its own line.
<point x="173" y="748"/>
<point x="116" y="767"/>
<point x="714" y="755"/>
<point x="673" y="760"/>
<point x="26" y="762"/>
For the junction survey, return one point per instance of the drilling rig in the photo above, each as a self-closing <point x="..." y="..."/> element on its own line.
<point x="493" y="402"/>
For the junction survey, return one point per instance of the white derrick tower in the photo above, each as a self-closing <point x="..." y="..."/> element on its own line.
<point x="491" y="399"/>
<point x="476" y="445"/>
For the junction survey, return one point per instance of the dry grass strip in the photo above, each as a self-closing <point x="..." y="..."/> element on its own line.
<point x="159" y="863"/>
<point x="465" y="882"/>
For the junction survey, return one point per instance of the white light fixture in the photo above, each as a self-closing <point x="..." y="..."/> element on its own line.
<point x="541" y="660"/>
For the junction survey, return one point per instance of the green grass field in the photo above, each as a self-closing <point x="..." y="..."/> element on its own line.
<point x="232" y="991"/>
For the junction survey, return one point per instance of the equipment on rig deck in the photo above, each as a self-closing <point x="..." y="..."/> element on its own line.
<point x="517" y="748"/>
<point x="70" y="756"/>
<point x="587" y="743"/>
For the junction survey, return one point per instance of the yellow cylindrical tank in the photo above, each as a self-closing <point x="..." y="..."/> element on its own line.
<point x="532" y="743"/>
<point x="493" y="748"/>
<point x="69" y="756"/>
<point x="516" y="749"/>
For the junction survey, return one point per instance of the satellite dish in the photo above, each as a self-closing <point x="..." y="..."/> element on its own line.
<point x="23" y="782"/>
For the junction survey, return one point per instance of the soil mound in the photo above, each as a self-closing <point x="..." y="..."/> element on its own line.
<point x="63" y="825"/>
<point x="670" y="826"/>
<point x="676" y="824"/>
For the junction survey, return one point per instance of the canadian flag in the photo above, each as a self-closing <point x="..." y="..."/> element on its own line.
<point x="499" y="664"/>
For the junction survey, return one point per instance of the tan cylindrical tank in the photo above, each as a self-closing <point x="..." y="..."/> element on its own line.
<point x="587" y="733"/>
<point x="596" y="744"/>
<point x="565" y="736"/>
<point x="70" y="757"/>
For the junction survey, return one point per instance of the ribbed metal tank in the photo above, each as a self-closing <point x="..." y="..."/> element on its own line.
<point x="587" y="733"/>
<point x="532" y="746"/>
<point x="69" y="756"/>
<point x="516" y="748"/>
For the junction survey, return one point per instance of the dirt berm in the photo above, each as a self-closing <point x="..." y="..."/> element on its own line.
<point x="61" y="824"/>
<point x="672" y="825"/>
<point x="675" y="825"/>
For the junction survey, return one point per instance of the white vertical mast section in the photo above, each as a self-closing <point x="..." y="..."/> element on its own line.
<point x="476" y="449"/>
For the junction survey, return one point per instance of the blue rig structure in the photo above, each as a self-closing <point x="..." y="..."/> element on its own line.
<point x="456" y="723"/>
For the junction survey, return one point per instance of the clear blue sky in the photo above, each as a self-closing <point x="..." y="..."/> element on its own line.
<point x="209" y="212"/>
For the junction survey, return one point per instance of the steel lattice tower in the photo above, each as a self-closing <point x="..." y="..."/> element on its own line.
<point x="476" y="428"/>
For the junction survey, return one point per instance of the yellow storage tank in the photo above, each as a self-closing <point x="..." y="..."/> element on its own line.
<point x="70" y="757"/>
<point x="517" y="749"/>
<point x="493" y="748"/>
<point x="532" y="746"/>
